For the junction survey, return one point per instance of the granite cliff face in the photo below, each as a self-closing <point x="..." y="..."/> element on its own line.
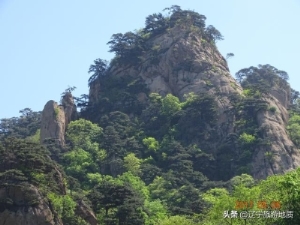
<point x="29" y="207"/>
<point x="186" y="62"/>
<point x="283" y="155"/>
<point x="86" y="213"/>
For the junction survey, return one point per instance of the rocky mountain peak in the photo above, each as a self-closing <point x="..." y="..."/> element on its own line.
<point x="179" y="56"/>
<point x="165" y="133"/>
<point x="179" y="61"/>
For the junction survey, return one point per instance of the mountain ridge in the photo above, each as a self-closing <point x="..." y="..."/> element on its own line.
<point x="165" y="136"/>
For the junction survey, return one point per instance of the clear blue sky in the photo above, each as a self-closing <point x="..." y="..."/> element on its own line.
<point x="46" y="46"/>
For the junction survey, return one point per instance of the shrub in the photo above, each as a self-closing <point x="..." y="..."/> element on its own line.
<point x="170" y="105"/>
<point x="56" y="112"/>
<point x="151" y="143"/>
<point x="247" y="92"/>
<point x="269" y="155"/>
<point x="247" y="138"/>
<point x="272" y="109"/>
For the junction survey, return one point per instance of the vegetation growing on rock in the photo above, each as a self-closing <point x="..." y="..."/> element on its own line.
<point x="162" y="138"/>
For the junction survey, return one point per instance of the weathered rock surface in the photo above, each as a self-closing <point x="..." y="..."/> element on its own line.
<point x="55" y="119"/>
<point x="94" y="91"/>
<point x="69" y="107"/>
<point x="27" y="207"/>
<point x="53" y="122"/>
<point x="187" y="63"/>
<point x="281" y="155"/>
<point x="85" y="213"/>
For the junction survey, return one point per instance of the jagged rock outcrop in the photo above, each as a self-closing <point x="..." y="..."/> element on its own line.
<point x="28" y="207"/>
<point x="69" y="107"/>
<point x="95" y="87"/>
<point x="281" y="155"/>
<point x="185" y="62"/>
<point x="55" y="119"/>
<point x="85" y="213"/>
<point x="53" y="123"/>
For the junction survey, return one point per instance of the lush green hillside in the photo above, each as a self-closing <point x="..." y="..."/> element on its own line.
<point x="160" y="160"/>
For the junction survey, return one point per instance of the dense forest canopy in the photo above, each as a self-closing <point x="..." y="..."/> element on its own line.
<point x="151" y="162"/>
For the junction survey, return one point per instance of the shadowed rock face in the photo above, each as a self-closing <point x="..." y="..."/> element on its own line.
<point x="28" y="206"/>
<point x="86" y="213"/>
<point x="55" y="119"/>
<point x="283" y="155"/>
<point x="187" y="63"/>
<point x="69" y="107"/>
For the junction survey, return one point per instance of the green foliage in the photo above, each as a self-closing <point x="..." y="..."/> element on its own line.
<point x="117" y="94"/>
<point x="128" y="47"/>
<point x="294" y="132"/>
<point x="236" y="151"/>
<point x="156" y="211"/>
<point x="94" y="178"/>
<point x="81" y="131"/>
<point x="158" y="188"/>
<point x="212" y="34"/>
<point x="79" y="162"/>
<point x="269" y="155"/>
<point x="155" y="98"/>
<point x="293" y="129"/>
<point x="151" y="143"/>
<point x="158" y="161"/>
<point x="197" y="113"/>
<point x="21" y="127"/>
<point x="155" y="48"/>
<point x="99" y="68"/>
<point x="155" y="23"/>
<point x="244" y="179"/>
<point x="262" y="78"/>
<point x="112" y="142"/>
<point x="56" y="112"/>
<point x="86" y="156"/>
<point x="209" y="83"/>
<point x="30" y="159"/>
<point x="251" y="93"/>
<point x="135" y="182"/>
<point x="229" y="55"/>
<point x="294" y="119"/>
<point x="177" y="220"/>
<point x="36" y="137"/>
<point x="280" y="188"/>
<point x="117" y="202"/>
<point x="68" y="92"/>
<point x="132" y="163"/>
<point x="272" y="109"/>
<point x="189" y="98"/>
<point x="289" y="188"/>
<point x="294" y="102"/>
<point x="247" y="92"/>
<point x="247" y="139"/>
<point x="65" y="206"/>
